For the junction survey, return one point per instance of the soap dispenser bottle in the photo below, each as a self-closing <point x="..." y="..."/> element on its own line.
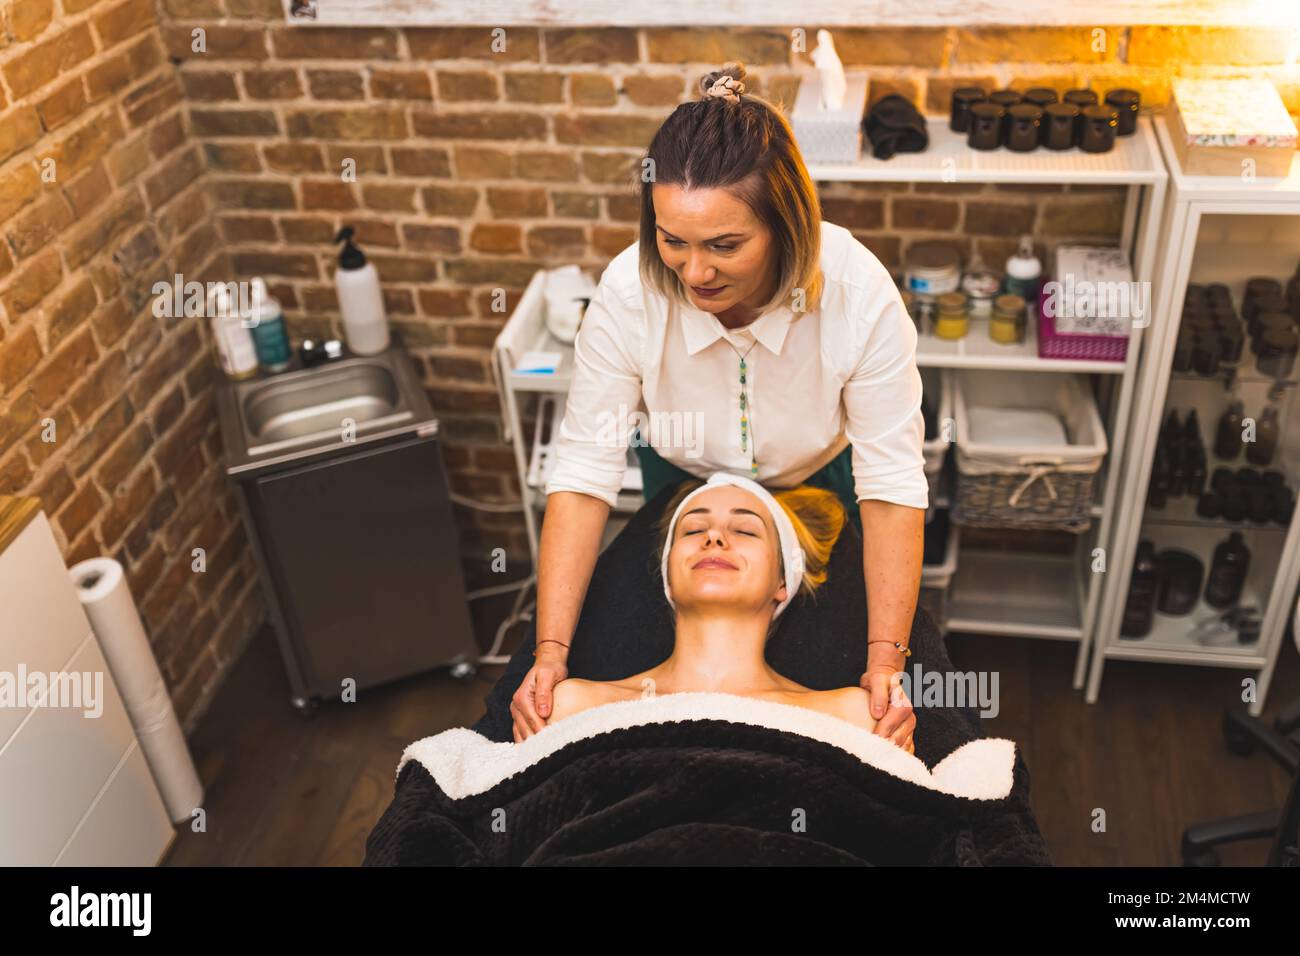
<point x="1228" y="572"/>
<point x="361" y="302"/>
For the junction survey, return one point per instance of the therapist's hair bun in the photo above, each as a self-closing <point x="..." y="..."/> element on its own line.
<point x="726" y="83"/>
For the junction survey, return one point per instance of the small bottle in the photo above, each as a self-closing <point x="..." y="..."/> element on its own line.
<point x="235" y="349"/>
<point x="361" y="301"/>
<point x="1171" y="436"/>
<point x="1158" y="486"/>
<point x="1024" y="271"/>
<point x="1260" y="451"/>
<point x="1227" y="439"/>
<point x="1139" y="609"/>
<point x="1007" y="326"/>
<point x="270" y="337"/>
<point x="1227" y="572"/>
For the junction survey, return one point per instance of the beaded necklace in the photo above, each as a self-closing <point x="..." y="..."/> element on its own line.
<point x="745" y="406"/>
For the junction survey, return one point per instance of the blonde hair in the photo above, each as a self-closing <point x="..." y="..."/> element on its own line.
<point x="744" y="144"/>
<point x="818" y="517"/>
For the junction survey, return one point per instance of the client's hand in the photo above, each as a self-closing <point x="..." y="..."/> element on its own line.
<point x="897" y="722"/>
<point x="532" y="703"/>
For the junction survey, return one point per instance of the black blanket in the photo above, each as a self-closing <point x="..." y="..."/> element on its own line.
<point x="571" y="806"/>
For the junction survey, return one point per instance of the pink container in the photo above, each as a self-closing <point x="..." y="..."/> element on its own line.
<point x="1070" y="345"/>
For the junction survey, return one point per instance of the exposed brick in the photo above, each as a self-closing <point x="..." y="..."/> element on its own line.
<point x="300" y="265"/>
<point x="232" y="157"/>
<point x="484" y="162"/>
<point x="496" y="238"/>
<point x="500" y="125"/>
<point x="307" y="230"/>
<point x="254" y="195"/>
<point x="388" y="197"/>
<point x="85" y="145"/>
<point x="79" y="510"/>
<point x="127" y="504"/>
<point x="33" y="230"/>
<point x="382" y="123"/>
<point x="334" y="43"/>
<point x="219" y="42"/>
<point x="1192" y="46"/>
<point x="67" y="312"/>
<point x="209" y="85"/>
<point x="854" y="213"/>
<point x="597" y="129"/>
<point x="20" y="129"/>
<point x="421" y="161"/>
<point x="327" y="194"/>
<point x="998" y="219"/>
<point x="26" y="20"/>
<point x="405" y="269"/>
<point x="535" y="87"/>
<point x="29" y="284"/>
<point x="1035" y="44"/>
<point x="507" y="203"/>
<point x="63" y="104"/>
<point x="1074" y="218"/>
<point x="645" y="90"/>
<point x="442" y="239"/>
<point x="553" y="241"/>
<point x="695" y="45"/>
<point x="473" y="43"/>
<point x="908" y="213"/>
<point x="108" y="77"/>
<point x="151" y="100"/>
<point x="400" y="85"/>
<point x="592" y="89"/>
<point x="20" y="355"/>
<point x="123" y="21"/>
<point x="99" y="232"/>
<point x="19" y="185"/>
<point x="355" y="157"/>
<point x="459" y="201"/>
<point x="64" y="369"/>
<point x="890" y="46"/>
<point x="88" y="191"/>
<point x="48" y="59"/>
<point x="272" y="84"/>
<point x="234" y="122"/>
<point x="294" y="157"/>
<point x="336" y="84"/>
<point x="576" y="205"/>
<point x="174" y="176"/>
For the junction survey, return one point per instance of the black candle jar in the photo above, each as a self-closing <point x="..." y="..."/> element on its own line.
<point x="1023" y="123"/>
<point x="1126" y="103"/>
<point x="1080" y="98"/>
<point x="985" y="126"/>
<point x="1040" y="96"/>
<point x="963" y="98"/>
<point x="1058" y="125"/>
<point x="1180" y="575"/>
<point x="1099" y="127"/>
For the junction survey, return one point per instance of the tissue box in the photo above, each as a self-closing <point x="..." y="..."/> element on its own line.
<point x="829" y="136"/>
<point x="1093" y="284"/>
<point x="1217" y="124"/>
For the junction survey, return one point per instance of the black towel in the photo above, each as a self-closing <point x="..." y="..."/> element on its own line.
<point x="894" y="126"/>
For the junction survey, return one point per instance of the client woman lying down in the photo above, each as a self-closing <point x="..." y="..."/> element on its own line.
<point x="733" y="558"/>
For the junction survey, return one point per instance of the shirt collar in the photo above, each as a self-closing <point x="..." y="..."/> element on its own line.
<point x="703" y="328"/>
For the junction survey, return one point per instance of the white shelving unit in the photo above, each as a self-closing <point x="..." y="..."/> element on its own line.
<point x="1216" y="229"/>
<point x="1029" y="593"/>
<point x="1025" y="593"/>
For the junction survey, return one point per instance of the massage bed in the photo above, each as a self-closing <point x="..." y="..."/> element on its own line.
<point x="711" y="779"/>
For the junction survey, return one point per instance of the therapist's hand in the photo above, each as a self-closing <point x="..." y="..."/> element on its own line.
<point x="532" y="703"/>
<point x="897" y="722"/>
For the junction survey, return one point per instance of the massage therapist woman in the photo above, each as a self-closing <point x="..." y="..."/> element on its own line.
<point x="768" y="343"/>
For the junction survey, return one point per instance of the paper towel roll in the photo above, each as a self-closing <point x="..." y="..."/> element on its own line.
<point x="107" y="601"/>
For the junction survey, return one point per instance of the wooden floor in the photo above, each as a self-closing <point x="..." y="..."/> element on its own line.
<point x="281" y="790"/>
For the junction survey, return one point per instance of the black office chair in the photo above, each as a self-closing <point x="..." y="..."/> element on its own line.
<point x="1244" y="735"/>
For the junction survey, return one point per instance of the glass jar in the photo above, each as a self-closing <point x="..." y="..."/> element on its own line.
<point x="963" y="98"/>
<point x="931" y="269"/>
<point x="1266" y="322"/>
<point x="1276" y="353"/>
<point x="1007" y="326"/>
<point x="985" y="126"/>
<point x="981" y="287"/>
<point x="953" y="318"/>
<point x="1058" y="127"/>
<point x="1126" y="103"/>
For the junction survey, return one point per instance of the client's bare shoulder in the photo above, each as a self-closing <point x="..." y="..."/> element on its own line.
<point x="575" y="694"/>
<point x="847" y="703"/>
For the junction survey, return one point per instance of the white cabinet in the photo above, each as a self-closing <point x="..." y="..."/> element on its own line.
<point x="74" y="786"/>
<point x="1218" y="231"/>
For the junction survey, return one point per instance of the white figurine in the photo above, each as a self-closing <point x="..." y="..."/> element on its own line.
<point x="830" y="68"/>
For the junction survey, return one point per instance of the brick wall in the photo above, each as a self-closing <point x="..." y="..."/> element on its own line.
<point x="102" y="193"/>
<point x="210" y="139"/>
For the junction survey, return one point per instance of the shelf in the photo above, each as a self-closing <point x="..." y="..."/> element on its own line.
<point x="557" y="381"/>
<point x="1134" y="160"/>
<point x="977" y="350"/>
<point x="1016" y="594"/>
<point x="1171" y="637"/>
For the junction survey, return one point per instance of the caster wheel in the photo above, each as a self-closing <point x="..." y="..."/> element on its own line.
<point x="1243" y="745"/>
<point x="307" y="707"/>
<point x="464" y="671"/>
<point x="1201" y="858"/>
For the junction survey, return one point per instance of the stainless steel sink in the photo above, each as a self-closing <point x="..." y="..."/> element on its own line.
<point x="274" y="419"/>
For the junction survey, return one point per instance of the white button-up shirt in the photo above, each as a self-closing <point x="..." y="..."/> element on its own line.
<point x="838" y="374"/>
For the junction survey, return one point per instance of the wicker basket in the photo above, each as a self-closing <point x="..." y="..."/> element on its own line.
<point x="936" y="381"/>
<point x="1026" y="486"/>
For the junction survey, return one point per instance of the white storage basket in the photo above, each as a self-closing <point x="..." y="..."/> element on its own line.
<point x="1023" y="485"/>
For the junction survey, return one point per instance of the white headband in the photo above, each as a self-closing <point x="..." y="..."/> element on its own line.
<point x="792" y="554"/>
